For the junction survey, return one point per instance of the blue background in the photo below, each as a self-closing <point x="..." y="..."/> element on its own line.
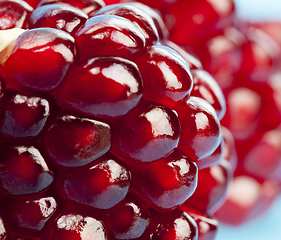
<point x="268" y="225"/>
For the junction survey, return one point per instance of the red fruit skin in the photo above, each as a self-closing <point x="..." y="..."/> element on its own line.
<point x="167" y="183"/>
<point x="247" y="198"/>
<point x="207" y="226"/>
<point x="135" y="15"/>
<point x="24" y="170"/>
<point x="72" y="225"/>
<point x="23" y="115"/>
<point x="101" y="186"/>
<point x="25" y="59"/>
<point x="213" y="184"/>
<point x="206" y="87"/>
<point x="199" y="127"/>
<point x="87" y="6"/>
<point x="149" y="132"/>
<point x="30" y="214"/>
<point x="14" y="13"/>
<point x="65" y="18"/>
<point x="129" y="219"/>
<point x="109" y="35"/>
<point x="167" y="78"/>
<point x="95" y="87"/>
<point x="73" y="141"/>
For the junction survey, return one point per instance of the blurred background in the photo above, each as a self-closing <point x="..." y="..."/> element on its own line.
<point x="268" y="225"/>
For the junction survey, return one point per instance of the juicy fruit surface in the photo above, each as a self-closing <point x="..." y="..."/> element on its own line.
<point x="104" y="129"/>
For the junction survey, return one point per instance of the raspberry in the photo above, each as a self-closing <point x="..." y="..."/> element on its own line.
<point x="105" y="126"/>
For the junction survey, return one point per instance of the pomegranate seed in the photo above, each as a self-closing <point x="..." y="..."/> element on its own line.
<point x="87" y="6"/>
<point x="148" y="133"/>
<point x="167" y="78"/>
<point x="129" y="219"/>
<point x="157" y="19"/>
<point x="66" y="18"/>
<point x="135" y="15"/>
<point x="206" y="87"/>
<point x="247" y="198"/>
<point x="192" y="61"/>
<point x="73" y="141"/>
<point x="14" y="13"/>
<point x="200" y="127"/>
<point x="102" y="185"/>
<point x="119" y="87"/>
<point x="24" y="170"/>
<point x="31" y="214"/>
<point x="168" y="182"/>
<point x="26" y="59"/>
<point x="207" y="226"/>
<point x="24" y="116"/>
<point x="109" y="35"/>
<point x="175" y="225"/>
<point x="76" y="226"/>
<point x="213" y="183"/>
